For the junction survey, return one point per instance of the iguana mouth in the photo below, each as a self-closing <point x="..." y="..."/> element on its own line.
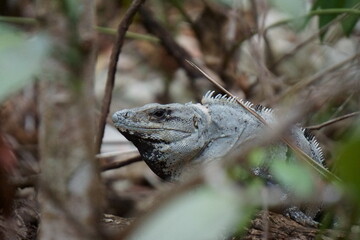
<point x="132" y="134"/>
<point x="133" y="128"/>
<point x="123" y="125"/>
<point x="141" y="139"/>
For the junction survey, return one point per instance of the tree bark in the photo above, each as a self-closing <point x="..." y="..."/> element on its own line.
<point x="69" y="182"/>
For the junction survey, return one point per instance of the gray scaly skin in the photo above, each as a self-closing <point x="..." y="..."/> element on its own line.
<point x="174" y="138"/>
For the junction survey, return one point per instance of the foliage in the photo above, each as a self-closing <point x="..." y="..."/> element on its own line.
<point x="348" y="22"/>
<point x="326" y="10"/>
<point x="21" y="59"/>
<point x="347" y="164"/>
<point x="189" y="214"/>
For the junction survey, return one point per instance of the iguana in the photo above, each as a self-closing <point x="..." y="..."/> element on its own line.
<point x="173" y="138"/>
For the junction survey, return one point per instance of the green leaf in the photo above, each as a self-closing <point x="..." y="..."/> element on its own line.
<point x="8" y="37"/>
<point x="257" y="157"/>
<point x="238" y="173"/>
<point x="296" y="9"/>
<point x="325" y="19"/>
<point x="20" y="59"/>
<point x="350" y="21"/>
<point x="202" y="214"/>
<point x="347" y="164"/>
<point x="293" y="176"/>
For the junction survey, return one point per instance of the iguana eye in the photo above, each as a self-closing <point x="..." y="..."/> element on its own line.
<point x="159" y="113"/>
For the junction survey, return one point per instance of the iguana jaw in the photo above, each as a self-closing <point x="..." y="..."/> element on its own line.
<point x="132" y="129"/>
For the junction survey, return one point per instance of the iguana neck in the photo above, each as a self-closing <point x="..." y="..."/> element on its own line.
<point x="228" y="128"/>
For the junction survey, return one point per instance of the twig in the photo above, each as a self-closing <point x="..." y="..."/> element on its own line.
<point x="21" y="20"/>
<point x="99" y="29"/>
<point x="317" y="166"/>
<point x="332" y="121"/>
<point x="182" y="11"/>
<point x="171" y="46"/>
<point x="121" y="164"/>
<point x="32" y="180"/>
<point x="342" y="106"/>
<point x="335" y="11"/>
<point x="128" y="34"/>
<point x="317" y="76"/>
<point x="304" y="43"/>
<point x="122" y="28"/>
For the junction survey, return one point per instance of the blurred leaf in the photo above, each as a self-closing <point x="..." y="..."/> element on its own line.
<point x="326" y="4"/>
<point x="8" y="37"/>
<point x="20" y="59"/>
<point x="288" y="174"/>
<point x="347" y="164"/>
<point x="296" y="9"/>
<point x="229" y="3"/>
<point x="72" y="9"/>
<point x="238" y="173"/>
<point x="348" y="23"/>
<point x="257" y="157"/>
<point x="201" y="214"/>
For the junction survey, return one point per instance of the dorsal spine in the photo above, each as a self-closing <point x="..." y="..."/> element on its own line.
<point x="209" y="98"/>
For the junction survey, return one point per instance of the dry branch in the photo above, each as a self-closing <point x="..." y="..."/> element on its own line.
<point x="332" y="121"/>
<point x="69" y="182"/>
<point x="119" y="42"/>
<point x="171" y="46"/>
<point x="316" y="77"/>
<point x="305" y="42"/>
<point x="121" y="164"/>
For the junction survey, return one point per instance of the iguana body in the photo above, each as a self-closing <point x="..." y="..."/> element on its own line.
<point x="174" y="137"/>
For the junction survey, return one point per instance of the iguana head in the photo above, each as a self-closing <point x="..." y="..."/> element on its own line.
<point x="168" y="137"/>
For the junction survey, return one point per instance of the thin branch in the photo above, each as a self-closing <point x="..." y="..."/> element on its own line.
<point x="332" y="121"/>
<point x="22" y="20"/>
<point x="121" y="164"/>
<point x="32" y="180"/>
<point x="317" y="76"/>
<point x="99" y="29"/>
<point x="171" y="46"/>
<point x="128" y="34"/>
<point x="122" y="28"/>
<point x="317" y="166"/>
<point x="342" y="106"/>
<point x="305" y="42"/>
<point x="178" y="5"/>
<point x="335" y="11"/>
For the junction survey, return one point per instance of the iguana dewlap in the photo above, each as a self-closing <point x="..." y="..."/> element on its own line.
<point x="174" y="136"/>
